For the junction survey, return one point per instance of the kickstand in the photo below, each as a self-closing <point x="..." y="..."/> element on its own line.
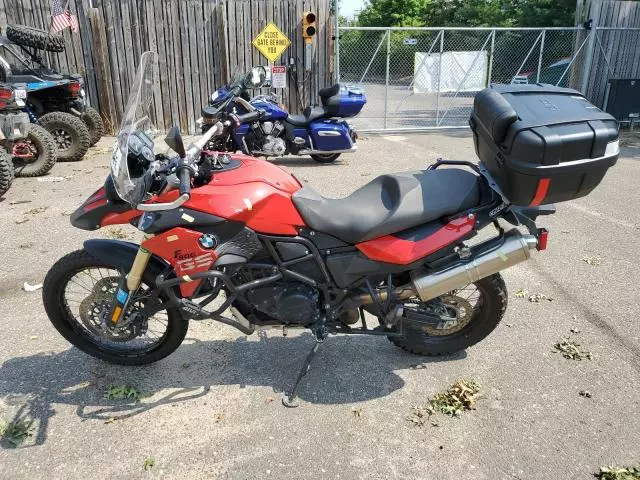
<point x="289" y="400"/>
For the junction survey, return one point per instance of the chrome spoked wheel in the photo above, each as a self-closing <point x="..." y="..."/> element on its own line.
<point x="88" y="297"/>
<point x="454" y="310"/>
<point x="454" y="321"/>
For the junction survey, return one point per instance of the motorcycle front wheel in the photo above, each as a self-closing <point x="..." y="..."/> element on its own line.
<point x="77" y="295"/>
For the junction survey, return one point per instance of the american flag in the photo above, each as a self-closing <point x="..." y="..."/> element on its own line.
<point x="61" y="17"/>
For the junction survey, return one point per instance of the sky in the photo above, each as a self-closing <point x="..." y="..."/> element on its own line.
<point x="349" y="7"/>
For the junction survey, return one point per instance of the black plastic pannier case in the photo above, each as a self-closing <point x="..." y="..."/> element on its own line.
<point x="543" y="144"/>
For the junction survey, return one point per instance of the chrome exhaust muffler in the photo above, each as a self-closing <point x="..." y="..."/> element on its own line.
<point x="515" y="249"/>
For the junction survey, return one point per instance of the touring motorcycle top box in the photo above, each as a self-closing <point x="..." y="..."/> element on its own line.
<point x="278" y="253"/>
<point x="320" y="132"/>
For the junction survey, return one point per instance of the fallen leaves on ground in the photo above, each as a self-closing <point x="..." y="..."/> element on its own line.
<point x="618" y="473"/>
<point x="461" y="396"/>
<point x="22" y="220"/>
<point x="218" y="417"/>
<point x="585" y="393"/>
<point x="118" y="233"/>
<point x="15" y="432"/>
<point x="571" y="350"/>
<point x="110" y="420"/>
<point x="594" y="261"/>
<point x="356" y="411"/>
<point x="120" y="392"/>
<point x="148" y="463"/>
<point x="521" y="293"/>
<point x="36" y="210"/>
<point x="539" y="297"/>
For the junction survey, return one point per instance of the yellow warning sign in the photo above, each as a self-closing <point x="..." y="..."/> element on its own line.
<point x="271" y="42"/>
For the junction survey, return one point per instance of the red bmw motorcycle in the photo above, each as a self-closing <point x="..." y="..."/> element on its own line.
<point x="271" y="252"/>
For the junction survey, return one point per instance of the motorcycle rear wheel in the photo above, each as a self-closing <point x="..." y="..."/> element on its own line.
<point x="483" y="319"/>
<point x="84" y="332"/>
<point x="327" y="158"/>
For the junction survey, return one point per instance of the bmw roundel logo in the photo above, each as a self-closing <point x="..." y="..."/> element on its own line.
<point x="208" y="241"/>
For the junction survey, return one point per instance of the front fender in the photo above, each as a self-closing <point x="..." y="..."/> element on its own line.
<point x="121" y="255"/>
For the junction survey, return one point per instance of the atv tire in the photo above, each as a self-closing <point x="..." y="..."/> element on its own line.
<point x="35" y="37"/>
<point x="6" y="172"/>
<point x="70" y="134"/>
<point x="47" y="154"/>
<point x="94" y="123"/>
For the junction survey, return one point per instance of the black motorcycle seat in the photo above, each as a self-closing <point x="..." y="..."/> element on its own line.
<point x="309" y="115"/>
<point x="329" y="91"/>
<point x="390" y="203"/>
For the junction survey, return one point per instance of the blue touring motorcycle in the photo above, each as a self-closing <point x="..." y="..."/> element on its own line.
<point x="320" y="132"/>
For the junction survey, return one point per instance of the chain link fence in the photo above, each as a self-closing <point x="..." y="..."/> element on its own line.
<point x="425" y="78"/>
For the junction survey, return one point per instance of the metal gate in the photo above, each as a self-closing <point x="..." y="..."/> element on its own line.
<point x="426" y="78"/>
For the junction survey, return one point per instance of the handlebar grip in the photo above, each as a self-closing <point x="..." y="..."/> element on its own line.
<point x="250" y="117"/>
<point x="184" y="174"/>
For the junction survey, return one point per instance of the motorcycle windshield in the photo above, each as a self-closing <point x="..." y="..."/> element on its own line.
<point x="132" y="157"/>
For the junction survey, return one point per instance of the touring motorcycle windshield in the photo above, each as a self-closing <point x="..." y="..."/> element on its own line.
<point x="133" y="158"/>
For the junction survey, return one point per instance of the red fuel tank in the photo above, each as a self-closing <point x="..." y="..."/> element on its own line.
<point x="256" y="193"/>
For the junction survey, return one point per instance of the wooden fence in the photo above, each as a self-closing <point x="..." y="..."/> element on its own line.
<point x="201" y="44"/>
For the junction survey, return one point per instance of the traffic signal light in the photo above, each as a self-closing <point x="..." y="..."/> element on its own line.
<point x="308" y="26"/>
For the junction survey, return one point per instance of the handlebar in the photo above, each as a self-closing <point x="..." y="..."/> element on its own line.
<point x="185" y="169"/>
<point x="249" y="117"/>
<point x="184" y="174"/>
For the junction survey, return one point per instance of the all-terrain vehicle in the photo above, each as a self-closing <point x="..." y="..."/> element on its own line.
<point x="28" y="146"/>
<point x="6" y="172"/>
<point x="54" y="100"/>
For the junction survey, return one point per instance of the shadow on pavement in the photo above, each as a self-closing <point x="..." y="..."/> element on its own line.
<point x="346" y="369"/>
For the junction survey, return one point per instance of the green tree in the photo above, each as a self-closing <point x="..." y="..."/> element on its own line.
<point x="468" y="13"/>
<point x="389" y="13"/>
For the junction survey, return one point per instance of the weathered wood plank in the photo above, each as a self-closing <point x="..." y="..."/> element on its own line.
<point x="110" y="28"/>
<point x="186" y="84"/>
<point x="233" y="39"/>
<point x="101" y="61"/>
<point x="223" y="28"/>
<point x="87" y="52"/>
<point x="152" y="45"/>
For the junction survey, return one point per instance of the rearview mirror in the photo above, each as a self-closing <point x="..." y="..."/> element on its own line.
<point x="174" y="140"/>
<point x="256" y="77"/>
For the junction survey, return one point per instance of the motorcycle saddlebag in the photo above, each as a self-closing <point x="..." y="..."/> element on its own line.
<point x="543" y="144"/>
<point x="346" y="103"/>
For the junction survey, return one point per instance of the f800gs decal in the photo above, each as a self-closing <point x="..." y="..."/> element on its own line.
<point x="190" y="261"/>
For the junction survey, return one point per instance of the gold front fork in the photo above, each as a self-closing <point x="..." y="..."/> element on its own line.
<point x="139" y="265"/>
<point x="133" y="282"/>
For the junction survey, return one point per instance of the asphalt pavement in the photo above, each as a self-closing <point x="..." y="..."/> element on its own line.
<point x="212" y="409"/>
